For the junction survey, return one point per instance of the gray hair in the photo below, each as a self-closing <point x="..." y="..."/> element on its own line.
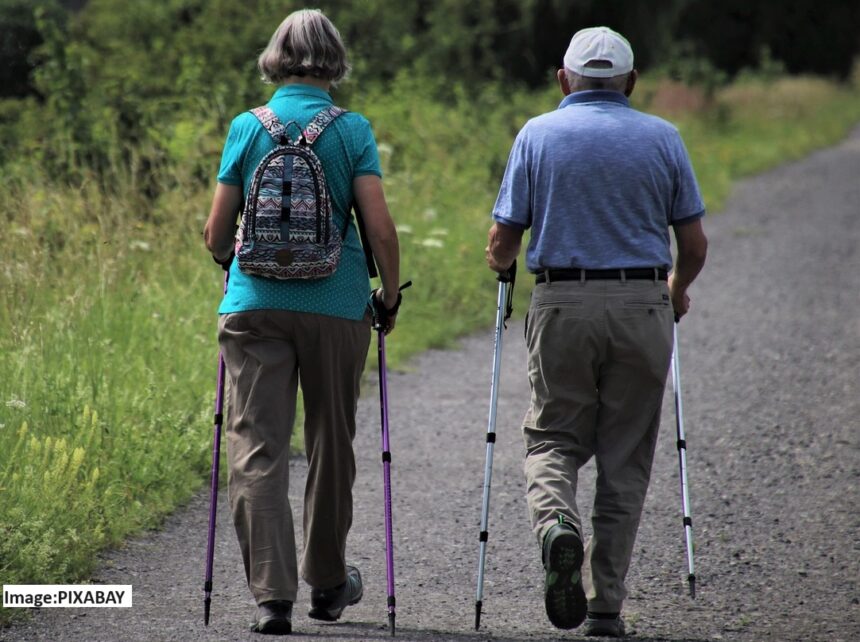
<point x="582" y="83"/>
<point x="305" y="44"/>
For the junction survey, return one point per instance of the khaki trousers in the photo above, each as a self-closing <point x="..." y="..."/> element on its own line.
<point x="599" y="353"/>
<point x="268" y="354"/>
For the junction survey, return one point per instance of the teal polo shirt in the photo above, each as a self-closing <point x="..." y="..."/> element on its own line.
<point x="346" y="149"/>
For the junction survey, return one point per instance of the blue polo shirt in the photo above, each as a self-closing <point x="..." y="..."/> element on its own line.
<point x="599" y="184"/>
<point x="346" y="149"/>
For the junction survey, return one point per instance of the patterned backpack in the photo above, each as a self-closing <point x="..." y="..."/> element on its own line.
<point x="287" y="229"/>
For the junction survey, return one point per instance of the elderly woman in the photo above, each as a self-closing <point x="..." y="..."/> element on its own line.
<point x="278" y="333"/>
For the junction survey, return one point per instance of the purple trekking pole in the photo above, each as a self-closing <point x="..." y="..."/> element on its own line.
<point x="379" y="323"/>
<point x="213" y="483"/>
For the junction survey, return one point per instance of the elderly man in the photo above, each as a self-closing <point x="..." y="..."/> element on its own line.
<point x="599" y="184"/>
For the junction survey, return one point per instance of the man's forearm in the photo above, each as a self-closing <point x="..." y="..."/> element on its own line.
<point x="503" y="246"/>
<point x="692" y="251"/>
<point x="687" y="268"/>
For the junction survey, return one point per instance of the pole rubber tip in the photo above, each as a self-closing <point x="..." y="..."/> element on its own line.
<point x="477" y="615"/>
<point x="391" y="623"/>
<point x="206" y="604"/>
<point x="692" y="580"/>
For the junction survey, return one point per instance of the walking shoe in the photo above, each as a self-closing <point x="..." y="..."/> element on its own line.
<point x="274" y="618"/>
<point x="564" y="596"/>
<point x="609" y="625"/>
<point x="328" y="604"/>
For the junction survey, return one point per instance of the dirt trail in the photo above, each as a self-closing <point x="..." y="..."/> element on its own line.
<point x="770" y="369"/>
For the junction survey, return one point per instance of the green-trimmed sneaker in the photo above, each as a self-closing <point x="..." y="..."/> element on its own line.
<point x="564" y="596"/>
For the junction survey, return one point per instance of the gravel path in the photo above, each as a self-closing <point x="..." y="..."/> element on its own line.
<point x="770" y="365"/>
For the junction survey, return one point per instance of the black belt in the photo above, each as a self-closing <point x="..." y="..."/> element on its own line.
<point x="575" y="274"/>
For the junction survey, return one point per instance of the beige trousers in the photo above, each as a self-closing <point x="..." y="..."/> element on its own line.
<point x="268" y="354"/>
<point x="599" y="354"/>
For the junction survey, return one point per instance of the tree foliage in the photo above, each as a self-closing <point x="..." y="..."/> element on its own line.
<point x="160" y="76"/>
<point x="19" y="38"/>
<point x="806" y="36"/>
<point x="160" y="42"/>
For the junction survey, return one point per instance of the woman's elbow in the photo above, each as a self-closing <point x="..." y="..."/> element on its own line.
<point x="207" y="239"/>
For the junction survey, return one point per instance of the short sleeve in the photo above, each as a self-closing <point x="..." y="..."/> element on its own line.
<point x="230" y="171"/>
<point x="367" y="154"/>
<point x="513" y="202"/>
<point x="687" y="204"/>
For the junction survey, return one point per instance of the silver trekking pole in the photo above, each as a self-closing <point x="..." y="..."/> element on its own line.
<point x="504" y="307"/>
<point x="682" y="458"/>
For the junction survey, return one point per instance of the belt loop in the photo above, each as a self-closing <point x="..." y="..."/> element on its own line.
<point x="581" y="276"/>
<point x="656" y="275"/>
<point x="623" y="275"/>
<point x="546" y="276"/>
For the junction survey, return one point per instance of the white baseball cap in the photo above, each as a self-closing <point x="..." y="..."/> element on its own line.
<point x="599" y="52"/>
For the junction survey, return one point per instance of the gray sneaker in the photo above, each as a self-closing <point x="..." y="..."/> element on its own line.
<point x="274" y="618"/>
<point x="564" y="597"/>
<point x="606" y="627"/>
<point x="328" y="604"/>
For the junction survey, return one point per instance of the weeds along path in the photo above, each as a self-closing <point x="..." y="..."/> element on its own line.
<point x="770" y="364"/>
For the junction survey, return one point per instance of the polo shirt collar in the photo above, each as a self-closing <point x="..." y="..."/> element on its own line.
<point x="594" y="96"/>
<point x="286" y="91"/>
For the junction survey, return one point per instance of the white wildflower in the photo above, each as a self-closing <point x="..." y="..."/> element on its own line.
<point x="430" y="214"/>
<point x="16" y="403"/>
<point x="439" y="231"/>
<point x="139" y="245"/>
<point x="404" y="229"/>
<point x="431" y="243"/>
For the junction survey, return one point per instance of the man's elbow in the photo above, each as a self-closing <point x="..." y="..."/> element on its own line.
<point x="692" y="244"/>
<point x="699" y="251"/>
<point x="695" y="254"/>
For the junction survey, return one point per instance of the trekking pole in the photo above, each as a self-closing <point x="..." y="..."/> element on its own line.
<point x="682" y="458"/>
<point x="379" y="326"/>
<point x="213" y="483"/>
<point x="504" y="308"/>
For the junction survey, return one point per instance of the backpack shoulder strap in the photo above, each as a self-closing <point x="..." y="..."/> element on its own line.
<point x="272" y="124"/>
<point x="320" y="122"/>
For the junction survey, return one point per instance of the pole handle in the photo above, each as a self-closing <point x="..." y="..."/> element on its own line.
<point x="380" y="312"/>
<point x="509" y="277"/>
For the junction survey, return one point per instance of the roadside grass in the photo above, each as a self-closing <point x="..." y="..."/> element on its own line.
<point x="104" y="400"/>
<point x="107" y="299"/>
<point x="754" y="125"/>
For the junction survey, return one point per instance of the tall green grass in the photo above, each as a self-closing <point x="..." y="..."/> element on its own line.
<point x="104" y="399"/>
<point x="107" y="297"/>
<point x="754" y="124"/>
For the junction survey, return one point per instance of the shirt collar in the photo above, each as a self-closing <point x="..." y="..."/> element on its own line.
<point x="301" y="90"/>
<point x="594" y="96"/>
